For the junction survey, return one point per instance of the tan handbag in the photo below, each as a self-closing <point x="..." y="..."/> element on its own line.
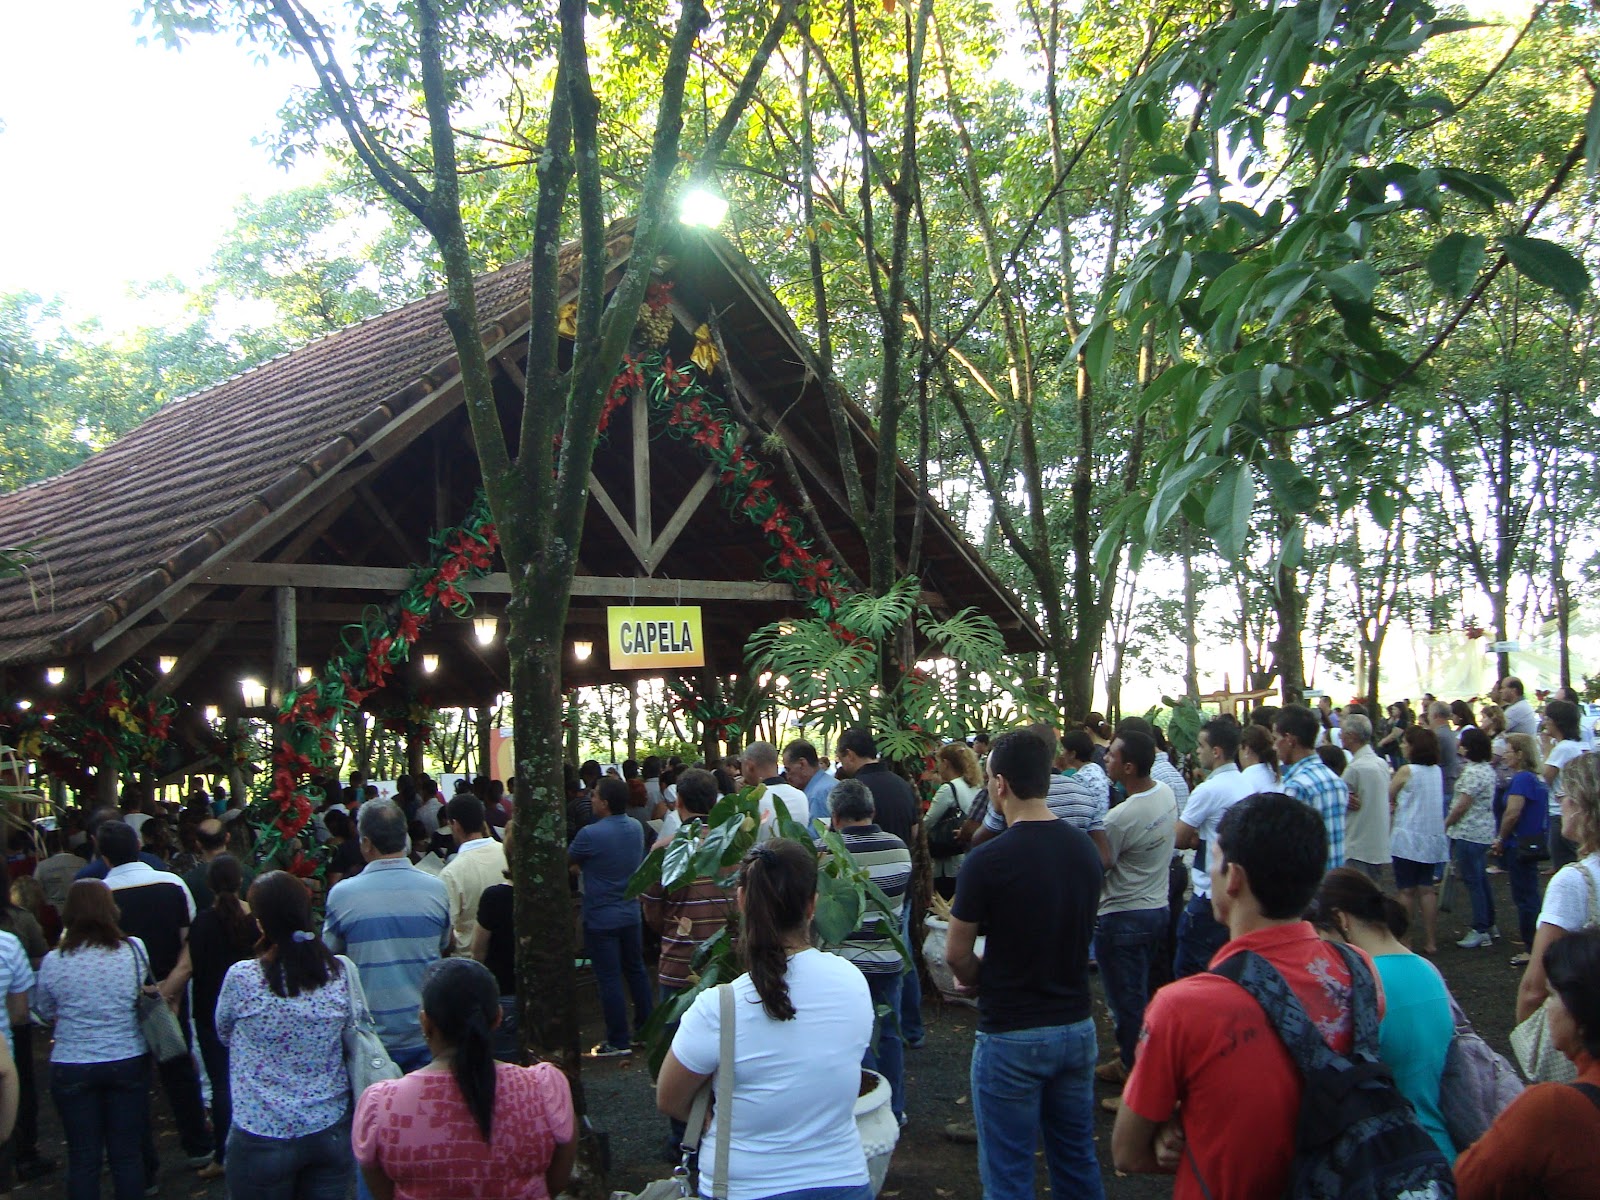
<point x="676" y="1186"/>
<point x="1536" y="1053"/>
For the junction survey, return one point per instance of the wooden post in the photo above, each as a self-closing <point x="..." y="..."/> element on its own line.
<point x="485" y="731"/>
<point x="633" y="716"/>
<point x="285" y="644"/>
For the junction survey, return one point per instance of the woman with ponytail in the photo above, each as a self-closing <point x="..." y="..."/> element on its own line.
<point x="466" y="1125"/>
<point x="282" y="1016"/>
<point x="220" y="936"/>
<point x="803" y="1019"/>
<point x="1417" y="1027"/>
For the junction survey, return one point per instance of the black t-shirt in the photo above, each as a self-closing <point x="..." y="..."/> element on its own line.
<point x="157" y="914"/>
<point x="893" y="799"/>
<point x="211" y="954"/>
<point x="495" y="915"/>
<point x="1033" y="891"/>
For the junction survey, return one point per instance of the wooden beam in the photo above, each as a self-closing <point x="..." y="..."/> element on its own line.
<point x="680" y="518"/>
<point x="402" y="542"/>
<point x="641" y="476"/>
<point x="609" y="507"/>
<point x="285" y="643"/>
<point x="198" y="652"/>
<point x="112" y="653"/>
<point x="395" y="579"/>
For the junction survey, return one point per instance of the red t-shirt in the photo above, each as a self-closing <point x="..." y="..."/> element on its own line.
<point x="1208" y="1053"/>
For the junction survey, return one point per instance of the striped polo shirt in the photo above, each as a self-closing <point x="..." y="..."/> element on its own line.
<point x="887" y="861"/>
<point x="393" y="920"/>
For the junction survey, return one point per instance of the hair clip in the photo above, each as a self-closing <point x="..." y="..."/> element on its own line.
<point x="304" y="935"/>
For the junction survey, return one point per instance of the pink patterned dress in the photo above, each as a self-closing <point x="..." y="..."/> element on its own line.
<point x="419" y="1132"/>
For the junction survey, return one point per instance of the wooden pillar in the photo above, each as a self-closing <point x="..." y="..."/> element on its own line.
<point x="285" y="645"/>
<point x="485" y="736"/>
<point x="633" y="717"/>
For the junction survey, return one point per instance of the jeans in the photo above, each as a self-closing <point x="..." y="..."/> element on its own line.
<point x="316" y="1166"/>
<point x="1472" y="861"/>
<point x="215" y="1056"/>
<point x="1562" y="851"/>
<point x="25" y="1138"/>
<point x="507" y="1035"/>
<point x="104" y="1110"/>
<point x="618" y="953"/>
<point x="1025" y="1082"/>
<point x="1200" y="936"/>
<point x="912" y="1030"/>
<point x="181" y="1082"/>
<point x="1123" y="945"/>
<point x="844" y="1191"/>
<point x="1524" y="878"/>
<point x="886" y="1054"/>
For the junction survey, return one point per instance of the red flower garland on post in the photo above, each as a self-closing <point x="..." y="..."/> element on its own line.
<point x="308" y="719"/>
<point x="745" y="484"/>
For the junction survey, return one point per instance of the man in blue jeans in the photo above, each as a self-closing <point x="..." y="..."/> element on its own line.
<point x="606" y="853"/>
<point x="1134" y="912"/>
<point x="1033" y="890"/>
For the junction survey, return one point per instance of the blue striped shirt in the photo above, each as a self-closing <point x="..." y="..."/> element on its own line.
<point x="393" y="920"/>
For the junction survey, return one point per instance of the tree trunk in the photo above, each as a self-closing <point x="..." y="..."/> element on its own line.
<point x="535" y="623"/>
<point x="633" y="718"/>
<point x="484" y="720"/>
<point x="1191" y="668"/>
<point x="1287" y="652"/>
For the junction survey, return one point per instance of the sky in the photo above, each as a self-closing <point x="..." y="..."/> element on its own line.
<point x="123" y="162"/>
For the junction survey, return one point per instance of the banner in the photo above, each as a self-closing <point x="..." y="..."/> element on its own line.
<point x="643" y="637"/>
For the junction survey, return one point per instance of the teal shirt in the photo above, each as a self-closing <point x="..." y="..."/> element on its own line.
<point x="1415" y="1036"/>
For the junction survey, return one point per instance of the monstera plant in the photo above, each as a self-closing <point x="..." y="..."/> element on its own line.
<point x="711" y="847"/>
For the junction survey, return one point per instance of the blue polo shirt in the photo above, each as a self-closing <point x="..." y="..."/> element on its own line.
<point x="393" y="920"/>
<point x="608" y="851"/>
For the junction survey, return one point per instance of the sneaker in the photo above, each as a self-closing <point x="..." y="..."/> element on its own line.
<point x="607" y="1050"/>
<point x="1112" y="1072"/>
<point x="1475" y="941"/>
<point x="1494" y="932"/>
<point x="198" y="1160"/>
<point x="212" y="1170"/>
<point x="916" y="1044"/>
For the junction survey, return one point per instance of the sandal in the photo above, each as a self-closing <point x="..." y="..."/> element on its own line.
<point x="1520" y="960"/>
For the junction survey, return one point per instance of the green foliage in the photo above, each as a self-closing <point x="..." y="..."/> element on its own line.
<point x="836" y="672"/>
<point x="711" y="848"/>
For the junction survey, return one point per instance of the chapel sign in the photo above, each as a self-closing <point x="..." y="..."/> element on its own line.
<point x="649" y="636"/>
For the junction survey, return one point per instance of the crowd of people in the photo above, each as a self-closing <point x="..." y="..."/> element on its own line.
<point x="1284" y="877"/>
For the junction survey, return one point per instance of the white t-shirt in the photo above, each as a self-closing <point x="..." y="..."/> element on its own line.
<point x="794" y="1082"/>
<point x="1258" y="777"/>
<point x="1560" y="755"/>
<point x="792" y="798"/>
<point x="1140" y="831"/>
<point x="1566" y="900"/>
<point x="1222" y="789"/>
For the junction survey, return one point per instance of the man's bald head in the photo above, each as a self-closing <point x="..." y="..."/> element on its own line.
<point x="212" y="835"/>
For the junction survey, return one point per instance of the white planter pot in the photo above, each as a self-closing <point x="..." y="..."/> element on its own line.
<point x="879" y="1130"/>
<point x="933" y="943"/>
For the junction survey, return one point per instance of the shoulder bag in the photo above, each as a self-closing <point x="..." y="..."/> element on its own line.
<point x="1536" y="1054"/>
<point x="676" y="1186"/>
<point x="944" y="835"/>
<point x="366" y="1060"/>
<point x="1477" y="1083"/>
<point x="159" y="1024"/>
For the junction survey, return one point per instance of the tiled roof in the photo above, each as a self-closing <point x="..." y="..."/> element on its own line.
<point x="115" y="531"/>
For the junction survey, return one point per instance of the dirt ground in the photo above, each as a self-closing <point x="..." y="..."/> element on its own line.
<point x="925" y="1163"/>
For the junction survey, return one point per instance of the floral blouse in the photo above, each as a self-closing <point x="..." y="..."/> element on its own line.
<point x="286" y="1053"/>
<point x="1477" y="780"/>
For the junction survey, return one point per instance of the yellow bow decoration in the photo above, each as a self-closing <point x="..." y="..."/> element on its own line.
<point x="567" y="324"/>
<point x="705" y="354"/>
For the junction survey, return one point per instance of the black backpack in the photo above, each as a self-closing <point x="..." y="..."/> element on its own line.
<point x="1357" y="1137"/>
<point x="944" y="840"/>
